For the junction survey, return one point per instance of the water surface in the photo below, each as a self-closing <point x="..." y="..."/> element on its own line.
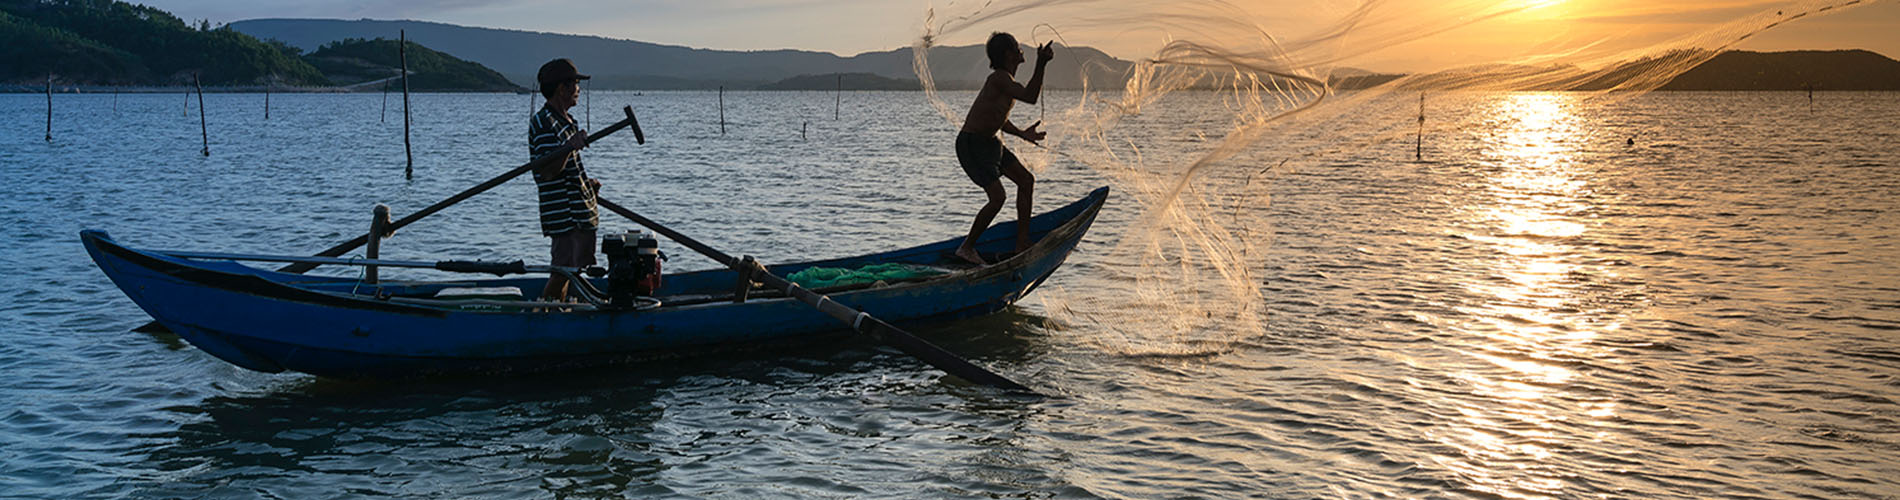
<point x="1541" y="309"/>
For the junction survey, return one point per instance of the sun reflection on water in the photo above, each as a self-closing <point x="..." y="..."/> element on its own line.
<point x="1524" y="325"/>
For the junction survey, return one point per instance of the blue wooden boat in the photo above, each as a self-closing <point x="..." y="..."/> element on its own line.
<point x="341" y="327"/>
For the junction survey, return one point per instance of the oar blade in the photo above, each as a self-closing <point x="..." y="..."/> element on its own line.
<point x="936" y="356"/>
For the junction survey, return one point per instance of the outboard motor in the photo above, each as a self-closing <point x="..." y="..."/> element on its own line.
<point x="633" y="267"/>
<point x="646" y="264"/>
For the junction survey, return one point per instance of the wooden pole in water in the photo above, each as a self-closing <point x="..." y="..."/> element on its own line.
<point x="838" y="103"/>
<point x="378" y="226"/>
<point x="590" y="106"/>
<point x="267" y="99"/>
<point x="1418" y="146"/>
<point x="722" y="110"/>
<point x="203" y="131"/>
<point x="49" y="107"/>
<point x="385" y="101"/>
<point x="402" y="52"/>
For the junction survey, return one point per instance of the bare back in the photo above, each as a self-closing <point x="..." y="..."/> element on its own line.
<point x="991" y="109"/>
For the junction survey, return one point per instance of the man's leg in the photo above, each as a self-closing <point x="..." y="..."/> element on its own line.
<point x="1025" y="192"/>
<point x="983" y="217"/>
<point x="563" y="250"/>
<point x="556" y="291"/>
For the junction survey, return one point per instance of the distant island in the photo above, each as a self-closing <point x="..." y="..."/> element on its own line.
<point x="1730" y="70"/>
<point x="107" y="42"/>
<point x="629" y="64"/>
<point x="113" y="43"/>
<point x="373" y="64"/>
<point x="1792" y="70"/>
<point x="836" y="81"/>
<point x="636" y="65"/>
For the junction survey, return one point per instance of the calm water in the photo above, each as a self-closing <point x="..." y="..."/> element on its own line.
<point x="1540" y="310"/>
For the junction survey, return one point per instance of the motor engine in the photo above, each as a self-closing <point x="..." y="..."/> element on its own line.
<point x="633" y="266"/>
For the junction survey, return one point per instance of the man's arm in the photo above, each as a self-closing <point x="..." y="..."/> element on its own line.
<point x="1028" y="134"/>
<point x="548" y="141"/>
<point x="1032" y="92"/>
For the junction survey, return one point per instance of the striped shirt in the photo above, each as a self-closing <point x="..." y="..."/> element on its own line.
<point x="567" y="202"/>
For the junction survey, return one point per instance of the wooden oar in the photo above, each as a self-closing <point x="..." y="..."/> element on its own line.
<point x="458" y="266"/>
<point x="359" y="241"/>
<point x="860" y="321"/>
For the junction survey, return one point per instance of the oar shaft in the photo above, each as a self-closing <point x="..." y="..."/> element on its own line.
<point x="860" y="321"/>
<point x="702" y="248"/>
<point x="879" y="330"/>
<point x="460" y="266"/>
<point x="556" y="155"/>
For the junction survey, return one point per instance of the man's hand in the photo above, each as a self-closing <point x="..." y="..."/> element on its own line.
<point x="578" y="141"/>
<point x="1030" y="134"/>
<point x="1046" y="52"/>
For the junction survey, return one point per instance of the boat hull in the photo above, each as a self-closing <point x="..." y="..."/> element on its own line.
<point x="269" y="321"/>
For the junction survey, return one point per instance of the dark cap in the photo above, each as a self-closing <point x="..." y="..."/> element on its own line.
<point x="557" y="71"/>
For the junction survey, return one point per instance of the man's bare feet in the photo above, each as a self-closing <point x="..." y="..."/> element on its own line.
<point x="969" y="254"/>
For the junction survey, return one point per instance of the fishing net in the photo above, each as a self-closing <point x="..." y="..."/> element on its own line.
<point x="1184" y="278"/>
<point x="821" y="277"/>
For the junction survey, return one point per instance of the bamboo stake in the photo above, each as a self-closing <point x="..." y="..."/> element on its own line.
<point x="267" y="99"/>
<point x="839" y="102"/>
<point x="49" y="107"/>
<point x="402" y="52"/>
<point x="385" y="101"/>
<point x="722" y="110"/>
<point x="1418" y="146"/>
<point x="204" y="131"/>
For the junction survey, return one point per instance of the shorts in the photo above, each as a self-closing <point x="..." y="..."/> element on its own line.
<point x="574" y="248"/>
<point x="982" y="157"/>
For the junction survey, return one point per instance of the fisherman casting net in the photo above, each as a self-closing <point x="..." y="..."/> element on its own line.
<point x="1185" y="276"/>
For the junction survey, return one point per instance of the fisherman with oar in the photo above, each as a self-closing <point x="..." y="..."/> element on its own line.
<point x="567" y="194"/>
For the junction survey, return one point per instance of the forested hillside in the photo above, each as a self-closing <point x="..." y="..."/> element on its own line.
<point x="109" y="42"/>
<point x="357" y="60"/>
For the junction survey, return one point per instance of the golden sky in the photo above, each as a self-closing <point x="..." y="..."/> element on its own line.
<point x="848" y="27"/>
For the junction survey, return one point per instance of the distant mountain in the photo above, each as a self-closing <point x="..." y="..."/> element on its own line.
<point x="117" y="43"/>
<point x="1731" y="70"/>
<point x="628" y="64"/>
<point x="835" y="81"/>
<point x="1793" y="70"/>
<point x="379" y="61"/>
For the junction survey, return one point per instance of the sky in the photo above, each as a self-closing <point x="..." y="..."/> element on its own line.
<point x="849" y="27"/>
